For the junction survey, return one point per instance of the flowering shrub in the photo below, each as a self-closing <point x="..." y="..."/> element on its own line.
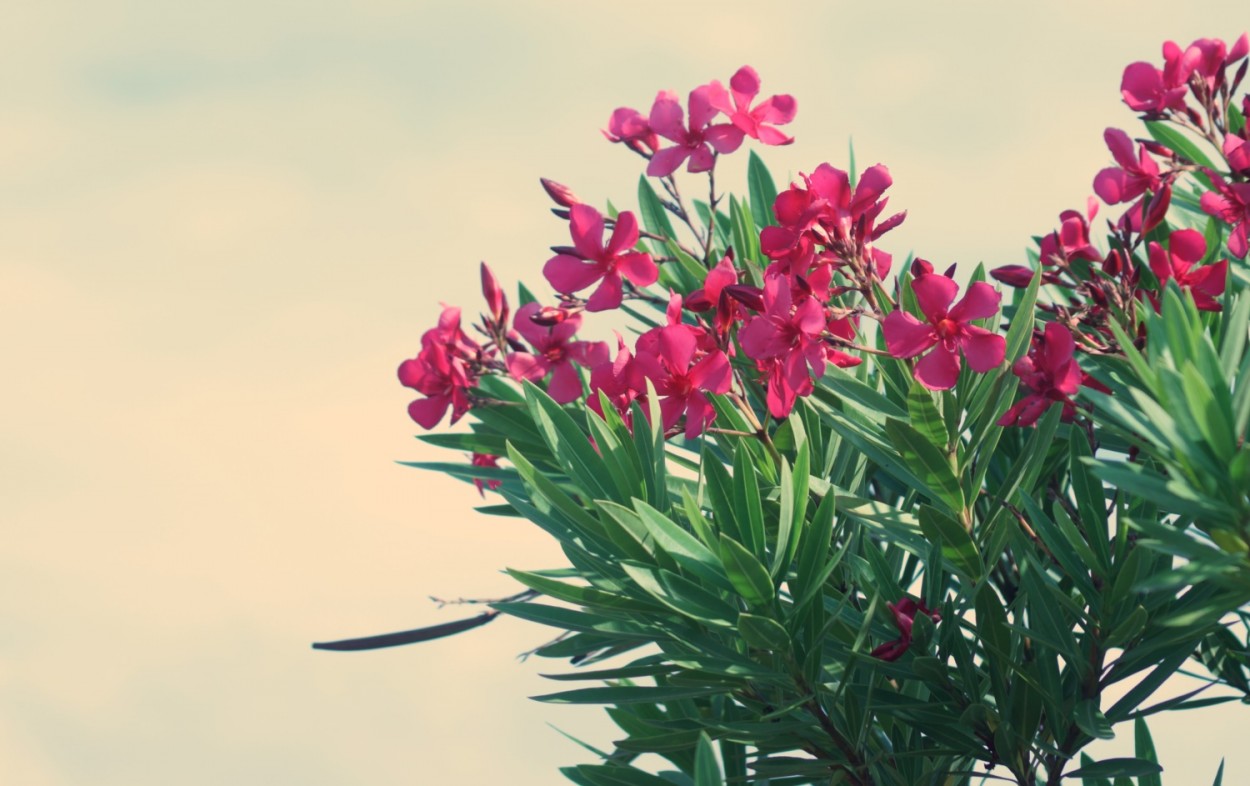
<point x="828" y="521"/>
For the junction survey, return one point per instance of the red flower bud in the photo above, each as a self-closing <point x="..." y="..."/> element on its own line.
<point x="496" y="301"/>
<point x="561" y="194"/>
<point x="751" y="297"/>
<point x="549" y="316"/>
<point x="1017" y="276"/>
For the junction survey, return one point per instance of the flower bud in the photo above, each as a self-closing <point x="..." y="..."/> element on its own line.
<point x="751" y="297"/>
<point x="1017" y="276"/>
<point x="559" y="193"/>
<point x="549" y="316"/>
<point x="496" y="301"/>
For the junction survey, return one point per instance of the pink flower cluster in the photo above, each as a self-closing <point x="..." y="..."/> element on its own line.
<point x="696" y="139"/>
<point x="1192" y="92"/>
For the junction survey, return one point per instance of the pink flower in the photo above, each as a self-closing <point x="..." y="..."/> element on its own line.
<point x="1237" y="152"/>
<point x="695" y="142"/>
<point x="785" y="340"/>
<point x="757" y="123"/>
<point x="904" y="619"/>
<point x="948" y="331"/>
<point x="440" y="372"/>
<point x="620" y="381"/>
<point x="713" y="296"/>
<point x="1186" y="248"/>
<point x="836" y="215"/>
<point x="554" y="353"/>
<point x="485" y="460"/>
<point x="590" y="260"/>
<point x="682" y="378"/>
<point x="1051" y="373"/>
<point x="1071" y="240"/>
<point x="1230" y="202"/>
<point x="1135" y="174"/>
<point x="629" y="126"/>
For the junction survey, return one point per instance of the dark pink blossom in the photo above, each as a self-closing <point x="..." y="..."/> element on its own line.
<point x="683" y="376"/>
<point x="1237" y="153"/>
<point x="758" y="122"/>
<point x="441" y="372"/>
<point x="948" y="331"/>
<point x="1135" y="174"/>
<point x="713" y="296"/>
<point x="485" y="460"/>
<point x="1051" y="373"/>
<point x="620" y="381"/>
<point x="695" y="141"/>
<point x="629" y="126"/>
<point x="1186" y="248"/>
<point x="590" y="261"/>
<point x="1071" y="240"/>
<point x="1230" y="202"/>
<point x="554" y="353"/>
<point x="904" y="614"/>
<point x="786" y="339"/>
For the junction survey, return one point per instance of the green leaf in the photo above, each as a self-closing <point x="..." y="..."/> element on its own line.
<point x="747" y="502"/>
<point x="1144" y="749"/>
<point x="748" y="576"/>
<point x="957" y="545"/>
<point x="763" y="633"/>
<point x="925" y="418"/>
<point x="1115" y="768"/>
<point x="629" y="694"/>
<point x="1179" y="143"/>
<point x="1020" y="332"/>
<point x="654" y="216"/>
<point x="930" y="464"/>
<point x="762" y="190"/>
<point x="1089" y="719"/>
<point x="706" y="770"/>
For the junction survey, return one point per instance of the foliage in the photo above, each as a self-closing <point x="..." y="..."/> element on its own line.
<point x="825" y="522"/>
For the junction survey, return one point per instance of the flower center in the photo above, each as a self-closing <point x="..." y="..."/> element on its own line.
<point x="947" y="328"/>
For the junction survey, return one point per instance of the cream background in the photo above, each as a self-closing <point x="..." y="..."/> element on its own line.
<point x="222" y="225"/>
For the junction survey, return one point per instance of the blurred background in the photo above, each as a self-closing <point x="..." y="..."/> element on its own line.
<point x="223" y="225"/>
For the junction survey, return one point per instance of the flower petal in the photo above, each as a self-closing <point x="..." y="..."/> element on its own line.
<point x="607" y="296"/>
<point x="625" y="235"/>
<point x="984" y="350"/>
<point x="666" y="117"/>
<point x="934" y="294"/>
<point x="638" y="268"/>
<point x="938" y="370"/>
<point x="427" y="412"/>
<point x="586" y="227"/>
<point x="666" y="161"/>
<point x="905" y="336"/>
<point x="565" y="384"/>
<point x="569" y="274"/>
<point x="979" y="302"/>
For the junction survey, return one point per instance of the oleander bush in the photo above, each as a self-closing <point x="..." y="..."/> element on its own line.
<point x="834" y="516"/>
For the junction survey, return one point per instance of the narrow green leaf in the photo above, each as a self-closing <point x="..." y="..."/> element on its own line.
<point x="762" y="190"/>
<point x="1144" y="749"/>
<point x="957" y="545"/>
<point x="933" y="466"/>
<point x="925" y="418"/>
<point x="763" y="633"/>
<point x="1115" y="768"/>
<point x="1090" y="720"/>
<point x="748" y="576"/>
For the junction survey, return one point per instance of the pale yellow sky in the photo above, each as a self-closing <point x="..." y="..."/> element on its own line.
<point x="221" y="228"/>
